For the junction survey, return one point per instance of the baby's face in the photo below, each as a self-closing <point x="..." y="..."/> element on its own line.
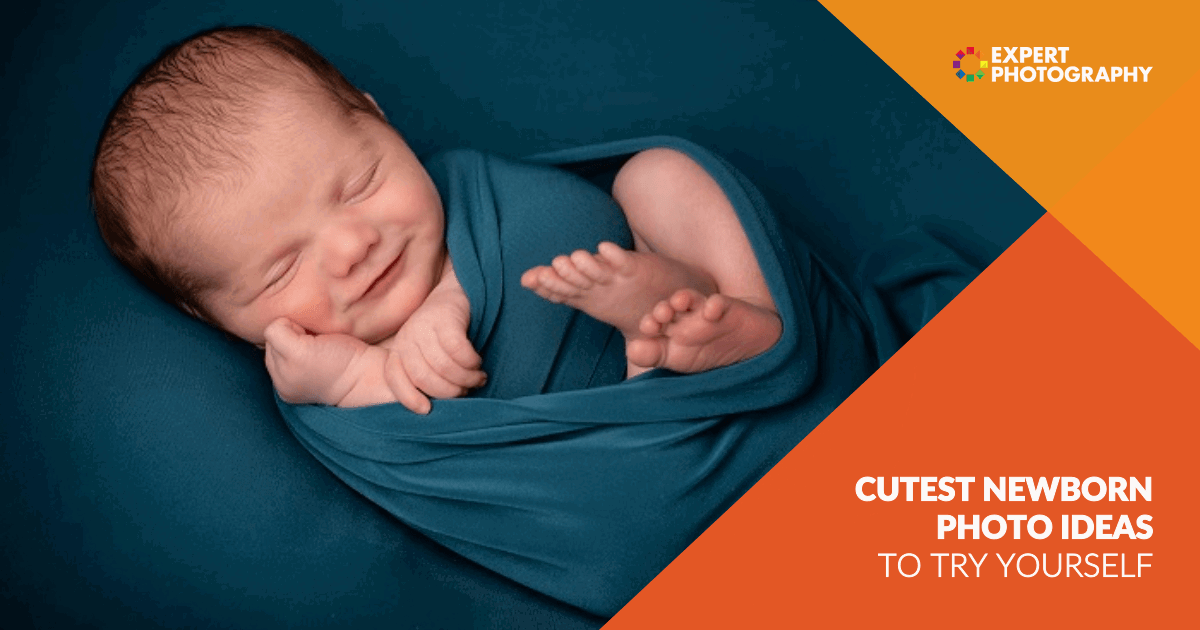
<point x="337" y="227"/>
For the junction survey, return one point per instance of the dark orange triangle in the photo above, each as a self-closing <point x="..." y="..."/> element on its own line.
<point x="1048" y="364"/>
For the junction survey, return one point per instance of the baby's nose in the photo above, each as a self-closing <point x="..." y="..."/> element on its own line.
<point x="345" y="245"/>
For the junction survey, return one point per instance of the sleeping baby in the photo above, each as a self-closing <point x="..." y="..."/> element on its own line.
<point x="245" y="180"/>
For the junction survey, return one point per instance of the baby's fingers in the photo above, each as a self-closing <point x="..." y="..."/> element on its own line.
<point x="402" y="387"/>
<point x="458" y="348"/>
<point x="453" y="358"/>
<point x="283" y="347"/>
<point x="425" y="375"/>
<point x="285" y="337"/>
<point x="285" y="353"/>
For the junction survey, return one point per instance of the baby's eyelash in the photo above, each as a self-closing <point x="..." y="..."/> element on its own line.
<point x="287" y="269"/>
<point x="369" y="180"/>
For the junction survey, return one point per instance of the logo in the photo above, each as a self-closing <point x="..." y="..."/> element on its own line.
<point x="1039" y="64"/>
<point x="1048" y="64"/>
<point x="965" y="66"/>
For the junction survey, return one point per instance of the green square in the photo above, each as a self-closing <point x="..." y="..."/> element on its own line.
<point x="970" y="78"/>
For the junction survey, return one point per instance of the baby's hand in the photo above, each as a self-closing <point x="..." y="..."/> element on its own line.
<point x="432" y="357"/>
<point x="311" y="368"/>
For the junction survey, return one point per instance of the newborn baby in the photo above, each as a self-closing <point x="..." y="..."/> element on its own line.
<point x="245" y="180"/>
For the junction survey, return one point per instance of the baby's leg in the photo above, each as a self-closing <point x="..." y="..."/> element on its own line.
<point x="677" y="211"/>
<point x="690" y="297"/>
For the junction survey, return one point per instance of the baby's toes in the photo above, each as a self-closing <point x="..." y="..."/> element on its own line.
<point x="620" y="258"/>
<point x="663" y="312"/>
<point x="715" y="307"/>
<point x="530" y="279"/>
<point x="685" y="299"/>
<point x="552" y="287"/>
<point x="650" y="326"/>
<point x="568" y="272"/>
<point x="537" y="277"/>
<point x="646" y="352"/>
<point x="590" y="265"/>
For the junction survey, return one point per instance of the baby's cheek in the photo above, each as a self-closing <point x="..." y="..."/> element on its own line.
<point x="317" y="315"/>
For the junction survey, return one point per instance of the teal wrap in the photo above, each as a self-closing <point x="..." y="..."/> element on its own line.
<point x="563" y="476"/>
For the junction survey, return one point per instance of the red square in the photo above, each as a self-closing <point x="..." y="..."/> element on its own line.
<point x="970" y="50"/>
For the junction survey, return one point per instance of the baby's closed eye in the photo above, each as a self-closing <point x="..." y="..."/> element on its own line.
<point x="282" y="271"/>
<point x="357" y="190"/>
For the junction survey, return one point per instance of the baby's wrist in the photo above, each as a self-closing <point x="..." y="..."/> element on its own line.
<point x="362" y="383"/>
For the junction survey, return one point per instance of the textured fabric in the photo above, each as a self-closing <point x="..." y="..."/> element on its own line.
<point x="559" y="474"/>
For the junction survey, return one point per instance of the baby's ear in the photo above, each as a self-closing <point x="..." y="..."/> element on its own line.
<point x="376" y="105"/>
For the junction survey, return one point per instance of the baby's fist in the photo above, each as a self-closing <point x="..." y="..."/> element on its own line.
<point x="309" y="368"/>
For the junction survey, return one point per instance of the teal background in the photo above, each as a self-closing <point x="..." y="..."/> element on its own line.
<point x="146" y="478"/>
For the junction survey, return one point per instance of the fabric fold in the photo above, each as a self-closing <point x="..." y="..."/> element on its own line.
<point x="559" y="473"/>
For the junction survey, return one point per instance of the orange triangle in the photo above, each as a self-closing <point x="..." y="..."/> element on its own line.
<point x="1047" y="365"/>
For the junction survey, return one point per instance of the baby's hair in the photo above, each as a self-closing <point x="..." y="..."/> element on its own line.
<point x="178" y="123"/>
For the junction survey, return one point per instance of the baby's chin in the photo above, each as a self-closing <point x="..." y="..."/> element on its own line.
<point x="371" y="336"/>
<point x="377" y="331"/>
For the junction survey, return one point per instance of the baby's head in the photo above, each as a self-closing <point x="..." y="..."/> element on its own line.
<point x="243" y="178"/>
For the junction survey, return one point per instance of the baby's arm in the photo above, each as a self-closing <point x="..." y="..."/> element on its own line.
<point x="429" y="356"/>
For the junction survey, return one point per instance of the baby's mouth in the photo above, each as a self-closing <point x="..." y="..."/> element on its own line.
<point x="384" y="280"/>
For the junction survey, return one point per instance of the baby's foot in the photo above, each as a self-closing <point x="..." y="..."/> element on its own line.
<point x="692" y="333"/>
<point x="614" y="285"/>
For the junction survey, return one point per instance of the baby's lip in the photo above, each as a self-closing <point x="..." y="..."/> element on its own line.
<point x="384" y="279"/>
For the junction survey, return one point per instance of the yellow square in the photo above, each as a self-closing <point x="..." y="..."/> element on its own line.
<point x="982" y="64"/>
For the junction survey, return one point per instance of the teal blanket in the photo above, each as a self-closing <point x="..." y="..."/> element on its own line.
<point x="563" y="476"/>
